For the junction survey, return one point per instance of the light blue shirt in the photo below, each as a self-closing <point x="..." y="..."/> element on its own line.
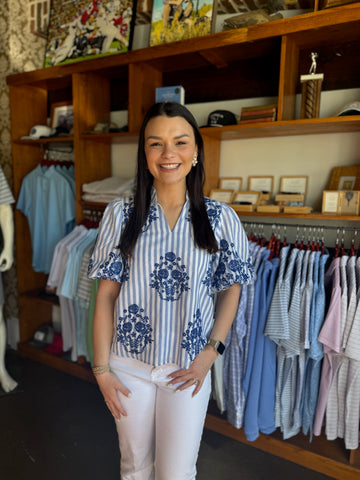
<point x="48" y="202"/>
<point x="164" y="312"/>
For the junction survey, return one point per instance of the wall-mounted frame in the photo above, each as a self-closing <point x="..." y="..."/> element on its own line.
<point x="294" y="184"/>
<point x="62" y="115"/>
<point x="232" y="183"/>
<point x="222" y="194"/>
<point x="246" y="197"/>
<point x="345" y="178"/>
<point x="81" y="30"/>
<point x="261" y="183"/>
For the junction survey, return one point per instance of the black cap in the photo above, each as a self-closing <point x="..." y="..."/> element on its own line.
<point x="221" y="118"/>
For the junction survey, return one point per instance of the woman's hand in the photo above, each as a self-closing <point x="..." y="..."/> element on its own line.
<point x="196" y="373"/>
<point x="109" y="386"/>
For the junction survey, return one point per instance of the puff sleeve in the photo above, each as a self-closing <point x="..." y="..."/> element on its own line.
<point x="232" y="263"/>
<point x="106" y="261"/>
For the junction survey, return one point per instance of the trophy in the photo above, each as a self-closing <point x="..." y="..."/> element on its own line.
<point x="311" y="90"/>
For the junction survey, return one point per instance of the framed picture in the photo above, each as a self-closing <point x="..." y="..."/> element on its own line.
<point x="233" y="183"/>
<point x="345" y="178"/>
<point x="330" y="202"/>
<point x="179" y="20"/>
<point x="79" y="29"/>
<point x="62" y="115"/>
<point x="294" y="184"/>
<point x="221" y="194"/>
<point x="246" y="198"/>
<point x="262" y="184"/>
<point x="349" y="202"/>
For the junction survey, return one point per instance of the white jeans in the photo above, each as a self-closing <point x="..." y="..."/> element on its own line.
<point x="160" y="437"/>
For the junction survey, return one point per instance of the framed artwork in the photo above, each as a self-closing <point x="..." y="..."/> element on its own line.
<point x="233" y="183"/>
<point x="331" y="202"/>
<point x="345" y="178"/>
<point x="62" y="115"/>
<point x="246" y="198"/>
<point x="174" y="20"/>
<point x="264" y="184"/>
<point x="294" y="184"/>
<point x="349" y="202"/>
<point x="80" y="29"/>
<point x="221" y="194"/>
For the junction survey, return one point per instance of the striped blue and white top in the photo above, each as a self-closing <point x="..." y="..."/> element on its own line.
<point x="164" y="312"/>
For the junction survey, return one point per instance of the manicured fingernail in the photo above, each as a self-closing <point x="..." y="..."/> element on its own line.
<point x="129" y="395"/>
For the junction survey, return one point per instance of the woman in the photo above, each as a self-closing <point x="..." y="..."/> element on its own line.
<point x="160" y="258"/>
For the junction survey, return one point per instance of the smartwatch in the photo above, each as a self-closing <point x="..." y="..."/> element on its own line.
<point x="219" y="346"/>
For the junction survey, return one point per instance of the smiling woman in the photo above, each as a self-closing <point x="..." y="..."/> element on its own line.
<point x="160" y="257"/>
<point x="170" y="151"/>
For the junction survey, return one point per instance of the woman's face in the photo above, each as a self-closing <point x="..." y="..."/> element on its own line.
<point x="169" y="148"/>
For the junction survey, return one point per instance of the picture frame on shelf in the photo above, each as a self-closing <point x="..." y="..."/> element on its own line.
<point x="176" y="20"/>
<point x="345" y="178"/>
<point x="297" y="184"/>
<point x="221" y="194"/>
<point x="330" y="202"/>
<point x="261" y="183"/>
<point x="246" y="197"/>
<point x="349" y="202"/>
<point x="233" y="183"/>
<point x="62" y="115"/>
<point x="81" y="30"/>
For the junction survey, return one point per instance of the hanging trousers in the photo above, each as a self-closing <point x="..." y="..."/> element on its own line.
<point x="159" y="439"/>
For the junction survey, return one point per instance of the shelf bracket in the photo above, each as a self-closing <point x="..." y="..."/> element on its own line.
<point x="214" y="58"/>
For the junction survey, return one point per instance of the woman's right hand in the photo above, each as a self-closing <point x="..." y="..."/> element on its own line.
<point x="109" y="386"/>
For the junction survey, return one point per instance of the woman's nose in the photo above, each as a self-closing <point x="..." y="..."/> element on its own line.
<point x="168" y="150"/>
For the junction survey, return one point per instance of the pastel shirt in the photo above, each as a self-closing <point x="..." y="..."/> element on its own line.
<point x="164" y="312"/>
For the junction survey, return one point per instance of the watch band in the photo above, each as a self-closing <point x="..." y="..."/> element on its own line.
<point x="217" y="345"/>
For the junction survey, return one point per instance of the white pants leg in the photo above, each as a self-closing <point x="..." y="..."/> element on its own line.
<point x="160" y="437"/>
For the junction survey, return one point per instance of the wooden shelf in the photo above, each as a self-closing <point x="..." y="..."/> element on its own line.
<point x="285" y="128"/>
<point x="326" y="460"/>
<point x="201" y="46"/>
<point x="41" y="141"/>
<point x="261" y="60"/>
<point x="60" y="363"/>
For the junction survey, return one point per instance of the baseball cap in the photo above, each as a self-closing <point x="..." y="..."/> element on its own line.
<point x="43" y="336"/>
<point x="352" y="108"/>
<point x="221" y="118"/>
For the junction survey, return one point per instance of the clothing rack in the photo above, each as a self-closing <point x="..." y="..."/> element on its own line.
<point x="311" y="232"/>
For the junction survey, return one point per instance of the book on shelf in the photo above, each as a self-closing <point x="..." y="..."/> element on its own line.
<point x="271" y="106"/>
<point x="265" y="112"/>
<point x="257" y="120"/>
<point x="175" y="93"/>
<point x="260" y="115"/>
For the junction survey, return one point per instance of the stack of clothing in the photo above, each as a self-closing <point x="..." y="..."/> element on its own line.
<point x="107" y="190"/>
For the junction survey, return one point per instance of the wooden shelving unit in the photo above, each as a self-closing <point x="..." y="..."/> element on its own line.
<point x="262" y="59"/>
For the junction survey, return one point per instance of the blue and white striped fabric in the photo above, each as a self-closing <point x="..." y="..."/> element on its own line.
<point x="6" y="196"/>
<point x="164" y="312"/>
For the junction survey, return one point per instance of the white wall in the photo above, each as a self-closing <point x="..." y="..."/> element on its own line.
<point x="312" y="155"/>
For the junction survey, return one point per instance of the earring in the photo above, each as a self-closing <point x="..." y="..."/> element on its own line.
<point x="194" y="161"/>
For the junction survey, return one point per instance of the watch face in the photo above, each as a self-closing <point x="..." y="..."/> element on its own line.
<point x="220" y="348"/>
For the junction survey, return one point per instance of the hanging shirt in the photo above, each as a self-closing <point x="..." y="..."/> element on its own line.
<point x="164" y="312"/>
<point x="48" y="202"/>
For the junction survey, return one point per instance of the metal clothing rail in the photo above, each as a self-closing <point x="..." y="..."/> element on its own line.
<point x="301" y="226"/>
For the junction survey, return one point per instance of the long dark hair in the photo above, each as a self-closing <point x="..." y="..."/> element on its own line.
<point x="203" y="233"/>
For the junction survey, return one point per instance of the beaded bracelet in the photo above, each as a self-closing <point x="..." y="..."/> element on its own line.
<point x="98" y="370"/>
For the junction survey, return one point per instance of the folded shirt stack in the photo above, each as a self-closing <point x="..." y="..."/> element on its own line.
<point x="107" y="190"/>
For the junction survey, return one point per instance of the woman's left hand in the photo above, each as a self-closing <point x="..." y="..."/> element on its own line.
<point x="196" y="373"/>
